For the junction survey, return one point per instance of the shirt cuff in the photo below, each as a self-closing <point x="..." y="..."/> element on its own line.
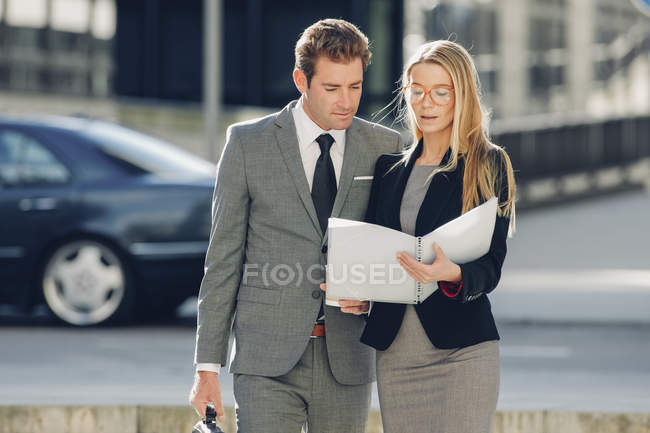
<point x="208" y="367"/>
<point x="450" y="289"/>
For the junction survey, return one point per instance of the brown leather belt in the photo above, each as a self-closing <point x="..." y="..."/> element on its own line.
<point x="318" y="331"/>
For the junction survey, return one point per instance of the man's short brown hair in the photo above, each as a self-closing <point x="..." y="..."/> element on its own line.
<point x="338" y="40"/>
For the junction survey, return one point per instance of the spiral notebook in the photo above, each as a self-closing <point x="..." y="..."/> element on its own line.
<point x="362" y="261"/>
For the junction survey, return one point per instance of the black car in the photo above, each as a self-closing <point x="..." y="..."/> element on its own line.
<point x="99" y="222"/>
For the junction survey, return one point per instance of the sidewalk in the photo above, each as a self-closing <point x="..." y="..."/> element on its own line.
<point x="573" y="296"/>
<point x="579" y="262"/>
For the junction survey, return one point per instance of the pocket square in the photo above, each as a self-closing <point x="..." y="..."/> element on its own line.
<point x="363" y="177"/>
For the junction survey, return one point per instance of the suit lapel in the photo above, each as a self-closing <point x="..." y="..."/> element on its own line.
<point x="350" y="160"/>
<point x="402" y="175"/>
<point x="436" y="198"/>
<point x="287" y="141"/>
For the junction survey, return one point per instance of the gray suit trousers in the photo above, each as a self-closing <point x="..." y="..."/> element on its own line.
<point x="307" y="397"/>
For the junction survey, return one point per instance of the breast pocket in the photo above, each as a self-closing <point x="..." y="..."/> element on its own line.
<point x="259" y="295"/>
<point x="357" y="200"/>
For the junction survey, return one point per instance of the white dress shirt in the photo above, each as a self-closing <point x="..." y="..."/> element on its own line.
<point x="307" y="131"/>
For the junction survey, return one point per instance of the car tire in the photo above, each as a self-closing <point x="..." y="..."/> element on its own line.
<point x="86" y="282"/>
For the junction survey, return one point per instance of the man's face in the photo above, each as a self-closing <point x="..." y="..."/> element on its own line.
<point x="332" y="98"/>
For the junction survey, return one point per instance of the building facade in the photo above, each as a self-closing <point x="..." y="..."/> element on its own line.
<point x="533" y="56"/>
<point x="57" y="46"/>
<point x="545" y="56"/>
<point x="153" y="49"/>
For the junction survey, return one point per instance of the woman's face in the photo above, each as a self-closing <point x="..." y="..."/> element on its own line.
<point x="431" y="96"/>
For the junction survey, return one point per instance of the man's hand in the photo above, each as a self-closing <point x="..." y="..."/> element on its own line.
<point x="354" y="307"/>
<point x="206" y="389"/>
<point x="349" y="306"/>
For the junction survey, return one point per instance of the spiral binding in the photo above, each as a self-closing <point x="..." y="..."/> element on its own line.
<point x="418" y="285"/>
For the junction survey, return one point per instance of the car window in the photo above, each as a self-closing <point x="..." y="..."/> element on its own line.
<point x="23" y="160"/>
<point x="145" y="153"/>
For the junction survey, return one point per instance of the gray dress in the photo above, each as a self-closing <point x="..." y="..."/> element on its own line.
<point x="426" y="389"/>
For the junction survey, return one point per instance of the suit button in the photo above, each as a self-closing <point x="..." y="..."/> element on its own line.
<point x="315" y="294"/>
<point x="324" y="249"/>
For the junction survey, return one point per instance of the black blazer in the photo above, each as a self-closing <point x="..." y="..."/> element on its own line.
<point x="449" y="322"/>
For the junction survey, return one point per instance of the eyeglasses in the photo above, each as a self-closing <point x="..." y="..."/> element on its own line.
<point x="441" y="95"/>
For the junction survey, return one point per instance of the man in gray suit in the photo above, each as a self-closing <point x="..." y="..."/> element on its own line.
<point x="295" y="361"/>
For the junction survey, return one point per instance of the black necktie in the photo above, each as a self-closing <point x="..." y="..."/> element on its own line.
<point x="323" y="189"/>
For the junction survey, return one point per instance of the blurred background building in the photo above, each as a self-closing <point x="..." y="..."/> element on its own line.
<point x="534" y="56"/>
<point x="543" y="56"/>
<point x="60" y="47"/>
<point x="140" y="62"/>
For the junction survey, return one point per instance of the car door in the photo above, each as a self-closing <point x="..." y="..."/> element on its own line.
<point x="37" y="200"/>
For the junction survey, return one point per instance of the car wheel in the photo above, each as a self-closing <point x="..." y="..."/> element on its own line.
<point x="85" y="282"/>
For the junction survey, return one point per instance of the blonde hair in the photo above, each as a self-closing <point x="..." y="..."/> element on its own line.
<point x="338" y="40"/>
<point x="469" y="137"/>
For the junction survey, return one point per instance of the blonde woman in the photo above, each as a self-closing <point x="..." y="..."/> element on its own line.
<point x="438" y="361"/>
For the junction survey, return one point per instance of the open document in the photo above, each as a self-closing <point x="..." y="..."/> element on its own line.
<point x="362" y="262"/>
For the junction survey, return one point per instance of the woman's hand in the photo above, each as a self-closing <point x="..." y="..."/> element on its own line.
<point x="442" y="269"/>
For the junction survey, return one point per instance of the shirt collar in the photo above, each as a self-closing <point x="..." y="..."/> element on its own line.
<point x="308" y="131"/>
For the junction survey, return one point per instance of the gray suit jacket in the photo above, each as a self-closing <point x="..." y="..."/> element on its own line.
<point x="266" y="253"/>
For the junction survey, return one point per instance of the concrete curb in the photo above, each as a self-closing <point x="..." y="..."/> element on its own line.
<point x="570" y="422"/>
<point x="180" y="419"/>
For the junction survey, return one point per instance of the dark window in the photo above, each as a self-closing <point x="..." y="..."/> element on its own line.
<point x="488" y="81"/>
<point x="159" y="47"/>
<point x="474" y="28"/>
<point x="141" y="153"/>
<point x="543" y="77"/>
<point x="23" y="160"/>
<point x="547" y="34"/>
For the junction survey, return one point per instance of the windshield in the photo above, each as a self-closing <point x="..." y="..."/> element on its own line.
<point x="147" y="153"/>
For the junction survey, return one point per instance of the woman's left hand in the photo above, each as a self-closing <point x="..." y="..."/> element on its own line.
<point x="442" y="269"/>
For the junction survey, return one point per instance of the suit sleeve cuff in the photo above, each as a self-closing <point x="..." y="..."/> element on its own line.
<point x="365" y="315"/>
<point x="450" y="289"/>
<point x="208" y="367"/>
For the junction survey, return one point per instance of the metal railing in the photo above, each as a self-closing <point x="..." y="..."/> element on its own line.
<point x="574" y="147"/>
<point x="553" y="152"/>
